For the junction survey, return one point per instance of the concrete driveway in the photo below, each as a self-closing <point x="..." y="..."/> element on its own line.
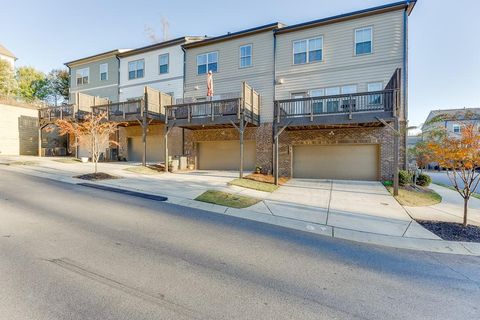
<point x="355" y="205"/>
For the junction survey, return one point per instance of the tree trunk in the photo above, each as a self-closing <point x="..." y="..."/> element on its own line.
<point x="465" y="210"/>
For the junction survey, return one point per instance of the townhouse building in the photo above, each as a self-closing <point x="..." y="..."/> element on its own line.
<point x="321" y="99"/>
<point x="7" y="55"/>
<point x="451" y="120"/>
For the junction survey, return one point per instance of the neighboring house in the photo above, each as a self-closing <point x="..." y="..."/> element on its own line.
<point x="7" y="55"/>
<point x="18" y="129"/>
<point x="451" y="119"/>
<point x="97" y="75"/>
<point x="233" y="58"/>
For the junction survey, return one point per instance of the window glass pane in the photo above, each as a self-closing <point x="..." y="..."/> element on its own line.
<point x="140" y="73"/>
<point x="103" y="76"/>
<point x="245" y="62"/>
<point x="349" y="89"/>
<point x="212" y="57"/>
<point x="201" y="59"/>
<point x="315" y="55"/>
<point x="300" y="46"/>
<point x="103" y="67"/>
<point x="131" y="66"/>
<point x="163" y="59"/>
<point x="315" y="44"/>
<point x="212" y="67"/>
<point x="364" y="47"/>
<point x="140" y="64"/>
<point x="300" y="58"/>
<point x="164" y="68"/>
<point x="332" y="91"/>
<point x="201" y="69"/>
<point x="131" y="75"/>
<point x="375" y="86"/>
<point x="317" y="93"/>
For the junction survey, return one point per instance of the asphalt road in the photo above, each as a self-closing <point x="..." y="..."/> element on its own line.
<point x="442" y="178"/>
<point x="71" y="252"/>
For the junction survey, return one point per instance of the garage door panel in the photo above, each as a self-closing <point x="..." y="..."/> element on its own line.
<point x="347" y="162"/>
<point x="155" y="148"/>
<point x="225" y="155"/>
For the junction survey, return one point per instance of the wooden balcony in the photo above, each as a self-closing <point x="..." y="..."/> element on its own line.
<point x="339" y="110"/>
<point x="66" y="112"/>
<point x="124" y="111"/>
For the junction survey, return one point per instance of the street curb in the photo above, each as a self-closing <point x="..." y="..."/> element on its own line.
<point x="418" y="244"/>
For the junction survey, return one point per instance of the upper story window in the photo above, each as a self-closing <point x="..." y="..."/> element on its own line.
<point x="246" y="56"/>
<point x="163" y="60"/>
<point x="82" y="76"/>
<point x="456" y="128"/>
<point x="207" y="62"/>
<point x="308" y="50"/>
<point x="136" y="69"/>
<point x="363" y="41"/>
<point x="104" y="71"/>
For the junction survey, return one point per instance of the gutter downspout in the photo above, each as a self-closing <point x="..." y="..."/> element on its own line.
<point x="118" y="79"/>
<point x="183" y="93"/>
<point x="274" y="96"/>
<point x="405" y="81"/>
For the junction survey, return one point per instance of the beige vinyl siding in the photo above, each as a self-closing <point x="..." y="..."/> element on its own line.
<point x="340" y="66"/>
<point x="229" y="77"/>
<point x="95" y="87"/>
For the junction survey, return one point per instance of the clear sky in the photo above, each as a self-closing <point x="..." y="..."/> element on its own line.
<point x="444" y="56"/>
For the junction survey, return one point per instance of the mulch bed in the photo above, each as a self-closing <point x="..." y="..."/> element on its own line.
<point x="266" y="178"/>
<point x="96" y="176"/>
<point x="452" y="231"/>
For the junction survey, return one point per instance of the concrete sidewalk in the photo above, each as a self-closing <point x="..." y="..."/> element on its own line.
<point x="353" y="210"/>
<point x="449" y="210"/>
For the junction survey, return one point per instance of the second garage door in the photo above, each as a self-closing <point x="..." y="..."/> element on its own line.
<point x="225" y="155"/>
<point x="343" y="162"/>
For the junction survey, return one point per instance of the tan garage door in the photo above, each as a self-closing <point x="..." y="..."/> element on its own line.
<point x="155" y="148"/>
<point x="225" y="155"/>
<point x="344" y="162"/>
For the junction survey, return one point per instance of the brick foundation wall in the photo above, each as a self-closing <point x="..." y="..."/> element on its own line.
<point x="382" y="136"/>
<point x="262" y="135"/>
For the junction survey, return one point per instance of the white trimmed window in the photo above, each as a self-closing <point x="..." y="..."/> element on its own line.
<point x="82" y="76"/>
<point x="136" y="69"/>
<point x="363" y="41"/>
<point x="308" y="50"/>
<point x="207" y="62"/>
<point x="456" y="128"/>
<point x="104" y="71"/>
<point x="246" y="56"/>
<point x="163" y="61"/>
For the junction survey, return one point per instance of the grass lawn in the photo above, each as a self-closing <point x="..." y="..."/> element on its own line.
<point x="227" y="199"/>
<point x="475" y="195"/>
<point x="68" y="160"/>
<point x="416" y="198"/>
<point x="143" y="170"/>
<point x="255" y="185"/>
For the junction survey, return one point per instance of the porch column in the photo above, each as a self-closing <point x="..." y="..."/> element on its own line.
<point x="396" y="152"/>
<point x="40" y="141"/>
<point x="241" y="147"/>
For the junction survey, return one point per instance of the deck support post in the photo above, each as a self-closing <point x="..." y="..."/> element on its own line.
<point x="39" y="141"/>
<point x="241" y="131"/>
<point x="396" y="147"/>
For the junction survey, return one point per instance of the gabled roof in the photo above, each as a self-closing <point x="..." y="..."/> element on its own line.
<point x="452" y="115"/>
<point x="406" y="5"/>
<point x="163" y="44"/>
<point x="95" y="57"/>
<point x="233" y="35"/>
<point x="4" y="51"/>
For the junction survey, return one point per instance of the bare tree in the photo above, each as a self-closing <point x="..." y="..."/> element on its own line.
<point x="152" y="34"/>
<point x="95" y="130"/>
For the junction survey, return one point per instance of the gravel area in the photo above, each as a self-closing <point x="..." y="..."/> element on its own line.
<point x="452" y="231"/>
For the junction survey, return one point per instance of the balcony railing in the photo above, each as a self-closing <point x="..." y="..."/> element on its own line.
<point x="312" y="108"/>
<point x="57" y="113"/>
<point x="121" y="109"/>
<point x="213" y="110"/>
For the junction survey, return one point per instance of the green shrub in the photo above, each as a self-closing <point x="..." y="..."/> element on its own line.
<point x="388" y="183"/>
<point x="404" y="177"/>
<point x="424" y="180"/>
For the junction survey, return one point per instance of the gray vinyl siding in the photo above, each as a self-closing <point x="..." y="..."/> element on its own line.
<point x="229" y="77"/>
<point x="104" y="89"/>
<point x="340" y="66"/>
